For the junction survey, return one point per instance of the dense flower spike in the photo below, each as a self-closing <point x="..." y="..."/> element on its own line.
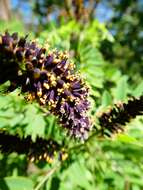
<point x="116" y="117"/>
<point x="49" y="78"/>
<point x="41" y="149"/>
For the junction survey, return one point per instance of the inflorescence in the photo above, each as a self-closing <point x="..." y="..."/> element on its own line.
<point x="41" y="149"/>
<point x="115" y="118"/>
<point x="50" y="78"/>
<point x="47" y="77"/>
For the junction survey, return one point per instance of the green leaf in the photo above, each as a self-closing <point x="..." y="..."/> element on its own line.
<point x="138" y="91"/>
<point x="78" y="175"/>
<point x="126" y="138"/>
<point x="106" y="99"/>
<point x="35" y="122"/>
<point x="16" y="183"/>
<point x="4" y="101"/>
<point x="122" y="89"/>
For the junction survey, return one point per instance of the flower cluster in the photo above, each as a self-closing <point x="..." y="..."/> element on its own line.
<point x="41" y="149"/>
<point x="116" y="117"/>
<point x="49" y="78"/>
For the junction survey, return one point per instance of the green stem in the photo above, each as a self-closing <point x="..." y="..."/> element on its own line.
<point x="47" y="176"/>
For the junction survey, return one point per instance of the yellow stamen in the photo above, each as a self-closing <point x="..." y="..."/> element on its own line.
<point x="46" y="86"/>
<point x="39" y="93"/>
<point x="32" y="159"/>
<point x="64" y="156"/>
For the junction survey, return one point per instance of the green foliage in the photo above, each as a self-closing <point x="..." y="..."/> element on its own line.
<point x="11" y="26"/>
<point x="16" y="183"/>
<point x="126" y="25"/>
<point x="122" y="89"/>
<point x="106" y="99"/>
<point x="98" y="164"/>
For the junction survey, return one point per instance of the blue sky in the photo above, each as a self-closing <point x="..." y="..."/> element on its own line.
<point x="103" y="13"/>
<point x="25" y="9"/>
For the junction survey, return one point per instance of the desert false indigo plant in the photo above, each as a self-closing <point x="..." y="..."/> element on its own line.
<point x="50" y="78"/>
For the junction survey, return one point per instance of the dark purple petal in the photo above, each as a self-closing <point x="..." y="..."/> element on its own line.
<point x="51" y="96"/>
<point x="43" y="75"/>
<point x="60" y="82"/>
<point x="76" y="85"/>
<point x="48" y="61"/>
<point x="28" y="53"/>
<point x="67" y="92"/>
<point x="22" y="41"/>
<point x="76" y="94"/>
<point x="62" y="63"/>
<point x="5" y="40"/>
<point x="15" y="36"/>
<point x="19" y="55"/>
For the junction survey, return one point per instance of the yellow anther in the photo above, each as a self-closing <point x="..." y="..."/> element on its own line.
<point x="30" y="97"/>
<point x="56" y="60"/>
<point x="50" y="52"/>
<point x="52" y="77"/>
<point x="66" y="85"/>
<point x="45" y="155"/>
<point x="40" y="157"/>
<point x="46" y="85"/>
<point x="71" y="98"/>
<point x="53" y="83"/>
<point x="72" y="65"/>
<point x="60" y="90"/>
<point x="81" y="129"/>
<point x="40" y="61"/>
<point x="32" y="159"/>
<point x="49" y="159"/>
<point x="64" y="156"/>
<point x="43" y="101"/>
<point x="63" y="100"/>
<point x="48" y="74"/>
<point x="39" y="93"/>
<point x="36" y="75"/>
<point x="42" y="55"/>
<point x="62" y="111"/>
<point x="46" y="45"/>
<point x="45" y="97"/>
<point x="51" y="103"/>
<point x="36" y="40"/>
<point x="70" y="77"/>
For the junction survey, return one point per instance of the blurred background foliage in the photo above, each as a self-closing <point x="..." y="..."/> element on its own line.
<point x="104" y="38"/>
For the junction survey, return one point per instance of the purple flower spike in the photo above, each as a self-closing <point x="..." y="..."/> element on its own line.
<point x="48" y="77"/>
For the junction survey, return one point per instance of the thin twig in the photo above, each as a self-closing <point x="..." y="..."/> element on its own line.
<point x="47" y="176"/>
